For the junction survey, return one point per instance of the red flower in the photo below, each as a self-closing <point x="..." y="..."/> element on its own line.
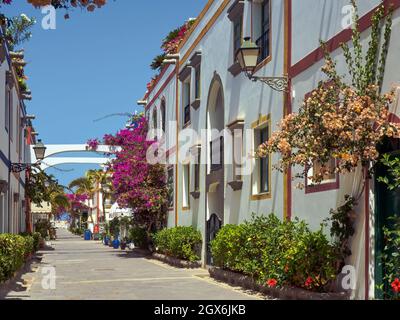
<point x="396" y="285"/>
<point x="272" y="283"/>
<point x="308" y="282"/>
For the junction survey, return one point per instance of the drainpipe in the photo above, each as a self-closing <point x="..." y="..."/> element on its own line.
<point x="9" y="209"/>
<point x="177" y="140"/>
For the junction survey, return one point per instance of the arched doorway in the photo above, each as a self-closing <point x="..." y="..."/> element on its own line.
<point x="215" y="187"/>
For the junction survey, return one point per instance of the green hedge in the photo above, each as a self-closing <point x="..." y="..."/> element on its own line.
<point x="14" y="249"/>
<point x="269" y="249"/>
<point x="180" y="242"/>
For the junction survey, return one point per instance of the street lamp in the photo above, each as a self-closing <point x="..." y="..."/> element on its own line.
<point x="39" y="149"/>
<point x="247" y="56"/>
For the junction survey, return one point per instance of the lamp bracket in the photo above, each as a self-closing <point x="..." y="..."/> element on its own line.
<point x="19" y="167"/>
<point x="280" y="84"/>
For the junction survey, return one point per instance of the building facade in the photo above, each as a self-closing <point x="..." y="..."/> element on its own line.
<point x="15" y="140"/>
<point x="206" y="93"/>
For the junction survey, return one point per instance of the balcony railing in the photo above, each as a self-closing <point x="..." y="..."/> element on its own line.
<point x="263" y="44"/>
<point x="217" y="153"/>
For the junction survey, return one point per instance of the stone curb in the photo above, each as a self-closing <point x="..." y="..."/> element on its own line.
<point x="183" y="264"/>
<point x="286" y="293"/>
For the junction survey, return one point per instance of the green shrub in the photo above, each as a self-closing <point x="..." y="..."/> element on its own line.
<point x="29" y="245"/>
<point x="226" y="247"/>
<point x="36" y="240"/>
<point x="43" y="227"/>
<point x="180" y="242"/>
<point x="138" y="236"/>
<point x="267" y="248"/>
<point x="13" y="251"/>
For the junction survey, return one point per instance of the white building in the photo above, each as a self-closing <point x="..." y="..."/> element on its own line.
<point x="206" y="90"/>
<point x="15" y="139"/>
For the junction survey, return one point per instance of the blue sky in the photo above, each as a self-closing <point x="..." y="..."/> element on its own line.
<point x="94" y="65"/>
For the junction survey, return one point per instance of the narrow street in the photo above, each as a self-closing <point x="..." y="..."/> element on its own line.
<point x="89" y="270"/>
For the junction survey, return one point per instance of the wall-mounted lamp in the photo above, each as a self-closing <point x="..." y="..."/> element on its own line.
<point x="40" y="150"/>
<point x="247" y="56"/>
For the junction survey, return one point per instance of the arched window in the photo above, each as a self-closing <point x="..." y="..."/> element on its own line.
<point x="155" y="126"/>
<point x="163" y="116"/>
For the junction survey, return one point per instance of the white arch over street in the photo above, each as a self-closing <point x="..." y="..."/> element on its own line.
<point x="53" y="162"/>
<point x="55" y="149"/>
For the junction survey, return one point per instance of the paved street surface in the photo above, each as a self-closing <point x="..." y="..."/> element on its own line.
<point x="90" y="270"/>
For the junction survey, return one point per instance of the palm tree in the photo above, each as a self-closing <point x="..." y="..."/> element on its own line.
<point x="83" y="185"/>
<point x="93" y="181"/>
<point x="102" y="180"/>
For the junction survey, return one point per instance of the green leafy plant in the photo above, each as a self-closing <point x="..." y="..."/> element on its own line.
<point x="276" y="252"/>
<point x="390" y="261"/>
<point x="393" y="167"/>
<point x="138" y="236"/>
<point x="115" y="226"/>
<point x="14" y="249"/>
<point x="180" y="242"/>
<point x="342" y="228"/>
<point x="19" y="30"/>
<point x="43" y="228"/>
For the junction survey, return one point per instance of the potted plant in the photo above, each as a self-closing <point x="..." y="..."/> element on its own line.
<point x="124" y="243"/>
<point x="116" y="243"/>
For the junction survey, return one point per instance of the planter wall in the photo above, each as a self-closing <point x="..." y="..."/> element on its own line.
<point x="176" y="262"/>
<point x="287" y="293"/>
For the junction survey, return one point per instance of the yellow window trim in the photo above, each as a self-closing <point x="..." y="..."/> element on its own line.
<point x="187" y="208"/>
<point x="263" y="120"/>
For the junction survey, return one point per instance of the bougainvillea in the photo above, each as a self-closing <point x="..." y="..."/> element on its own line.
<point x="170" y="45"/>
<point x="77" y="201"/>
<point x="138" y="184"/>
<point x="93" y="144"/>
